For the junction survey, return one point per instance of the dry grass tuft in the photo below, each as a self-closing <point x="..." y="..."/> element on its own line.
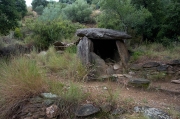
<point x="19" y="79"/>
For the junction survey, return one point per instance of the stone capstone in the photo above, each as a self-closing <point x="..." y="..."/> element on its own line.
<point x="86" y="110"/>
<point x="152" y="113"/>
<point x="100" y="33"/>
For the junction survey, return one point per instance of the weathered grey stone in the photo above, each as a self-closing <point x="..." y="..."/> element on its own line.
<point x="162" y="68"/>
<point x="86" y="110"/>
<point x="100" y="33"/>
<point x="48" y="95"/>
<point x="175" y="81"/>
<point x="83" y="50"/>
<point x="100" y="64"/>
<point x="116" y="66"/>
<point x="150" y="65"/>
<point x="152" y="113"/>
<point x="139" y="82"/>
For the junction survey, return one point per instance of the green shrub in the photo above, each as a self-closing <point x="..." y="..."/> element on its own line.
<point x="79" y="11"/>
<point x="18" y="33"/>
<point x="47" y="32"/>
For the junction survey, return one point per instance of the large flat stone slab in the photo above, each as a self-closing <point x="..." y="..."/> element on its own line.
<point x="101" y="33"/>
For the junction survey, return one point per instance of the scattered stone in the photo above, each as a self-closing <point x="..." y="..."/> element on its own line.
<point x="139" y="82"/>
<point x="86" y="110"/>
<point x="174" y="62"/>
<point x="152" y="113"/>
<point x="100" y="33"/>
<point x="127" y="76"/>
<point x="52" y="111"/>
<point x="162" y="68"/>
<point x="150" y="65"/>
<point x="118" y="75"/>
<point x="105" y="88"/>
<point x="118" y="111"/>
<point x="106" y="108"/>
<point x="116" y="66"/>
<point x="49" y="95"/>
<point x="175" y="81"/>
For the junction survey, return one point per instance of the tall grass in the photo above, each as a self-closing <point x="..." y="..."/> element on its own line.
<point x="155" y="51"/>
<point x="20" y="79"/>
<point x="67" y="64"/>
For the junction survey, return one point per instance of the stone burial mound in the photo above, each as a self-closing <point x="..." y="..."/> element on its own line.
<point x="103" y="47"/>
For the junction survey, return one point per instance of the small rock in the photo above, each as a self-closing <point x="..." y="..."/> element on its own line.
<point x="139" y="82"/>
<point x="175" y="81"/>
<point x="150" y="65"/>
<point x="105" y="88"/>
<point x="127" y="76"/>
<point x="49" y="95"/>
<point x="152" y="113"/>
<point x="116" y="66"/>
<point x="86" y="110"/>
<point x="162" y="67"/>
<point x="118" y="75"/>
<point x="52" y="111"/>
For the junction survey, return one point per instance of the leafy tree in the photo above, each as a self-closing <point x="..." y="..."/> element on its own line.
<point x="36" y="3"/>
<point x="52" y="11"/>
<point x="10" y="12"/>
<point x="21" y="7"/>
<point x="78" y="11"/>
<point x="67" y="1"/>
<point x="121" y="15"/>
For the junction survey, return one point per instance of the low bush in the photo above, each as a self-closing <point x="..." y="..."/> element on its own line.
<point x="79" y="11"/>
<point x="47" y="32"/>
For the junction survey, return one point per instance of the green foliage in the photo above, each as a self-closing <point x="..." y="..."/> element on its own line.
<point x="10" y="12"/>
<point x="39" y="9"/>
<point x="67" y="1"/>
<point x="36" y="3"/>
<point x="79" y="11"/>
<point x="52" y="11"/>
<point x="164" y="21"/>
<point x="47" y="32"/>
<point x="121" y="15"/>
<point x="21" y="7"/>
<point x="18" y="33"/>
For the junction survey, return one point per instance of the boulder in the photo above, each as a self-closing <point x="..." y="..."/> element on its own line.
<point x="139" y="82"/>
<point x="86" y="110"/>
<point x="150" y="65"/>
<point x="100" y="33"/>
<point x="152" y="113"/>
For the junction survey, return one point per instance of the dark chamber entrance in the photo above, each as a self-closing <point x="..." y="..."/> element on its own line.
<point x="106" y="49"/>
